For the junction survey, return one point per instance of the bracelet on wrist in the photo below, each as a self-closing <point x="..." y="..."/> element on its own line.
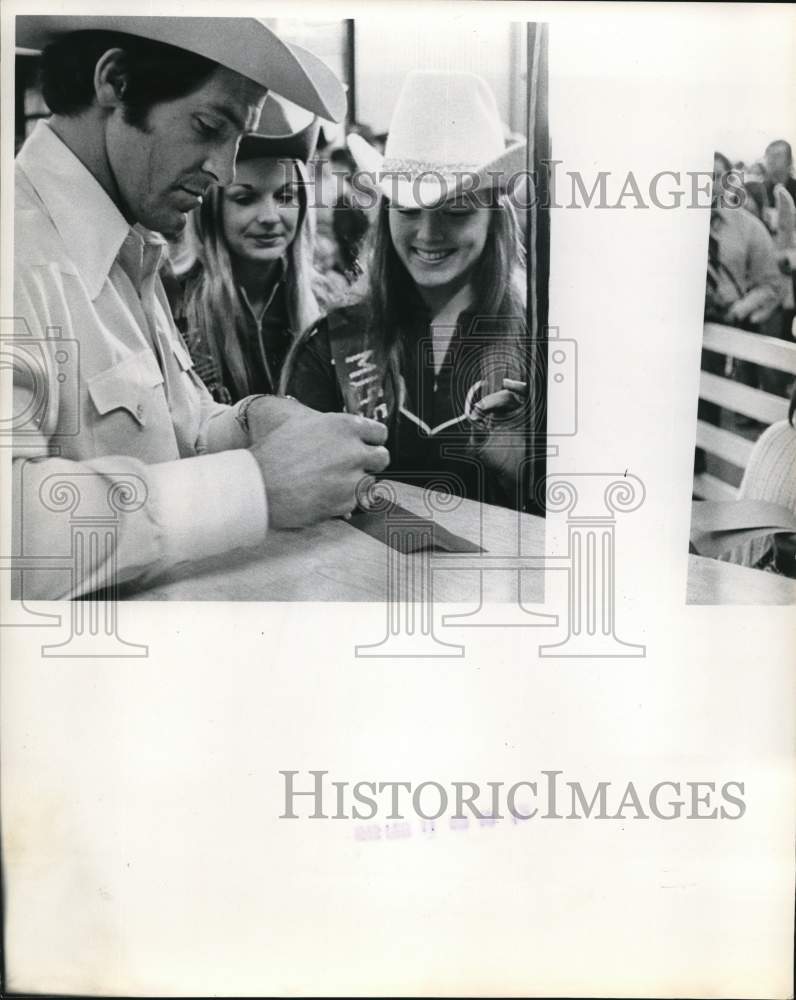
<point x="242" y="412"/>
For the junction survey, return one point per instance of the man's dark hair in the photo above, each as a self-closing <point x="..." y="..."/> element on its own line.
<point x="155" y="72"/>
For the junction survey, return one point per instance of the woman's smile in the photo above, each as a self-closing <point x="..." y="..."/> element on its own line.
<point x="266" y="239"/>
<point x="432" y="256"/>
<point x="439" y="247"/>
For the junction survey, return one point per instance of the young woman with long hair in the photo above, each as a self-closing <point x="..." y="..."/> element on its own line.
<point x="246" y="275"/>
<point x="436" y="345"/>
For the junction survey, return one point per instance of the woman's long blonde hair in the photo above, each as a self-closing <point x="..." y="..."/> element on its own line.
<point x="212" y="302"/>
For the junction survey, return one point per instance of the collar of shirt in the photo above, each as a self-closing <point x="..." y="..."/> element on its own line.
<point x="89" y="223"/>
<point x="140" y="255"/>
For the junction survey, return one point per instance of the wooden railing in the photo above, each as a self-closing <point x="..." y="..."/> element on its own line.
<point x="762" y="406"/>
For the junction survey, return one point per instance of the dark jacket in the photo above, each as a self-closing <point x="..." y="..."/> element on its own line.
<point x="264" y="343"/>
<point x="428" y="413"/>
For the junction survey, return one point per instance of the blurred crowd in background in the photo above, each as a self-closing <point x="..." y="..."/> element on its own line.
<point x="752" y="247"/>
<point x="751" y="280"/>
<point x="751" y="274"/>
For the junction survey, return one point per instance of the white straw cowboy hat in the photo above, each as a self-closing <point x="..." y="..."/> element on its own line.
<point x="445" y="136"/>
<point x="243" y="44"/>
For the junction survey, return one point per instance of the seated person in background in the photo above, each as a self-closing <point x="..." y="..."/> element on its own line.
<point x="248" y="284"/>
<point x="770" y="475"/>
<point x="779" y="168"/>
<point x="142" y="125"/>
<point x="435" y="346"/>
<point x="780" y="221"/>
<point x="744" y="285"/>
<point x="781" y="210"/>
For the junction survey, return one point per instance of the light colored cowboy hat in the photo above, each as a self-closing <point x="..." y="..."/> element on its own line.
<point x="445" y="136"/>
<point x="276" y="138"/>
<point x="243" y="44"/>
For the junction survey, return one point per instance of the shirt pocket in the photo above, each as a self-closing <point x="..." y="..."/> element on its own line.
<point x="130" y="414"/>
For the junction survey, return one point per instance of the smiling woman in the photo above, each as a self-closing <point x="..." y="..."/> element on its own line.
<point x="437" y="346"/>
<point x="247" y="279"/>
<point x="260" y="214"/>
<point x="440" y="247"/>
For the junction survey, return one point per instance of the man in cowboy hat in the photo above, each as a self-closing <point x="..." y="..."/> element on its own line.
<point x="147" y="114"/>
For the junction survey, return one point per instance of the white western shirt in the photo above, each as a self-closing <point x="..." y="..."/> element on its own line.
<point x="105" y="393"/>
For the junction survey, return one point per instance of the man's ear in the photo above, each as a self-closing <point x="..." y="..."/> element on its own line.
<point x="110" y="79"/>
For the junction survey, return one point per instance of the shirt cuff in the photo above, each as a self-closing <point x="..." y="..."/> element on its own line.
<point x="209" y="504"/>
<point x="223" y="431"/>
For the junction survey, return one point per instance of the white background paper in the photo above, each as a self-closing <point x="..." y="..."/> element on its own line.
<point x="142" y="849"/>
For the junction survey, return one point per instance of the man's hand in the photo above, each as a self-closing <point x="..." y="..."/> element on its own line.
<point x="311" y="464"/>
